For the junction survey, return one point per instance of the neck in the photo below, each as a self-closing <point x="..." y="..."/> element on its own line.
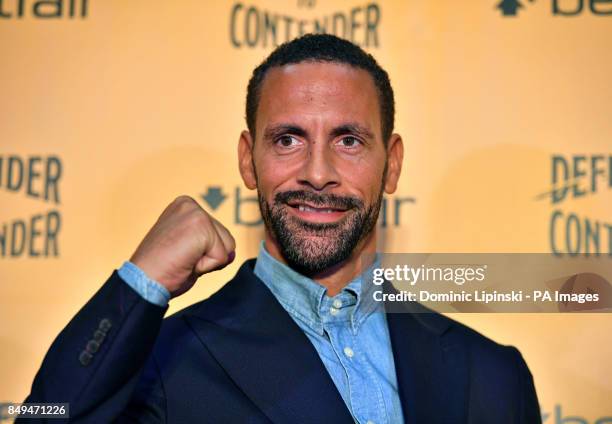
<point x="336" y="277"/>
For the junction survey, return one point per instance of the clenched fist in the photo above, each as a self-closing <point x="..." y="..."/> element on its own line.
<point x="184" y="243"/>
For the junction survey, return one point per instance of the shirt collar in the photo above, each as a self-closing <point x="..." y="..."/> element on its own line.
<point x="306" y="300"/>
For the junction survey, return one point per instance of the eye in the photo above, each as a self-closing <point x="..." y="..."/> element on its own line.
<point x="350" y="141"/>
<point x="287" y="141"/>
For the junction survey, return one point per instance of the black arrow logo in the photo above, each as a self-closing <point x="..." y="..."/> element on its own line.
<point x="509" y="7"/>
<point x="214" y="197"/>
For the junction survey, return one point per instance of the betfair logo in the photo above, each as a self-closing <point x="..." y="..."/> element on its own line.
<point x="558" y="417"/>
<point x="44" y="9"/>
<point x="567" y="8"/>
<point x="509" y="7"/>
<point x="214" y="197"/>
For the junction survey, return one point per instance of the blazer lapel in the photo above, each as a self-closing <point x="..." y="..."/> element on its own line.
<point x="266" y="354"/>
<point x="432" y="371"/>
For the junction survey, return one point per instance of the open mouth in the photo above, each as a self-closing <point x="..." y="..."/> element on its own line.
<point x="318" y="213"/>
<point x="322" y="209"/>
<point x="309" y="207"/>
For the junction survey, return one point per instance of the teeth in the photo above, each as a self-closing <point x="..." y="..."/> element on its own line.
<point x="304" y="208"/>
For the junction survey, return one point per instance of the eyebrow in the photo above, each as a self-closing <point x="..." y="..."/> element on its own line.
<point x="350" y="128"/>
<point x="277" y="130"/>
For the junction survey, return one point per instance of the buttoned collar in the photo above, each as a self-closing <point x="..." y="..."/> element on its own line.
<point x="306" y="300"/>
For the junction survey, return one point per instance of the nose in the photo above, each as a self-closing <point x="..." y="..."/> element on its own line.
<point x="318" y="170"/>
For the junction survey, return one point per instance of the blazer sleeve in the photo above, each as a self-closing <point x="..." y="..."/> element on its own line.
<point x="96" y="362"/>
<point x="529" y="407"/>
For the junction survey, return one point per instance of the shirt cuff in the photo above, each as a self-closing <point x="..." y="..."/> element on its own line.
<point x="149" y="290"/>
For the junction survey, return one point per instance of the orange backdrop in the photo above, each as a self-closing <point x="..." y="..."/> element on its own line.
<point x="109" y="109"/>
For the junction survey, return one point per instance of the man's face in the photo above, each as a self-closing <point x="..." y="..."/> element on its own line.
<point x="318" y="162"/>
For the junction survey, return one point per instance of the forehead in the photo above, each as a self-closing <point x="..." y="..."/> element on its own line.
<point x="318" y="93"/>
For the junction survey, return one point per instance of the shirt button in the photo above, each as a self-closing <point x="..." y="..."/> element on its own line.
<point x="333" y="311"/>
<point x="348" y="352"/>
<point x="370" y="422"/>
<point x="337" y="303"/>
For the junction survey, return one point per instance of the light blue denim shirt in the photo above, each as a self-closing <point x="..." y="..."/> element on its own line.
<point x="150" y="290"/>
<point x="349" y="332"/>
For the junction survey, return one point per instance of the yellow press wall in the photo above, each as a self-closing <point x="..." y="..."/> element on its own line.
<point x="110" y="109"/>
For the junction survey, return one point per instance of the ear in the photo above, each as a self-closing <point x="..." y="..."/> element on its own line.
<point x="395" y="157"/>
<point x="245" y="160"/>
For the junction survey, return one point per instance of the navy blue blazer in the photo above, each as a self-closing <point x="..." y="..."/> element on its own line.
<point x="238" y="357"/>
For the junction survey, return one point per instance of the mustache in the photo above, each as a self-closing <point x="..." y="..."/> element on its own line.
<point x="318" y="199"/>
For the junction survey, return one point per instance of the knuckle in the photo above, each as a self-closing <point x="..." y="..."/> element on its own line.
<point x="224" y="231"/>
<point x="199" y="218"/>
<point x="184" y="202"/>
<point x="232" y="239"/>
<point x="182" y="198"/>
<point x="218" y="243"/>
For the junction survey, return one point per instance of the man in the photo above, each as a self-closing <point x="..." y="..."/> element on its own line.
<point x="295" y="337"/>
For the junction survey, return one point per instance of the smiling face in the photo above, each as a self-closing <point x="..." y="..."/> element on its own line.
<point x="319" y="163"/>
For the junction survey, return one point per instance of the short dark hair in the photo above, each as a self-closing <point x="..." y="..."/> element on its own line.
<point x="323" y="48"/>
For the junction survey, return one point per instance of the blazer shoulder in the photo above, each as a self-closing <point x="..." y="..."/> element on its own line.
<point x="484" y="351"/>
<point x="486" y="355"/>
<point x="223" y="306"/>
<point x="459" y="333"/>
<point x="496" y="372"/>
<point x="178" y="340"/>
<point x="453" y="332"/>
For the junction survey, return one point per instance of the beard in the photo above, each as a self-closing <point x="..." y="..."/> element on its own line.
<point x="311" y="247"/>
